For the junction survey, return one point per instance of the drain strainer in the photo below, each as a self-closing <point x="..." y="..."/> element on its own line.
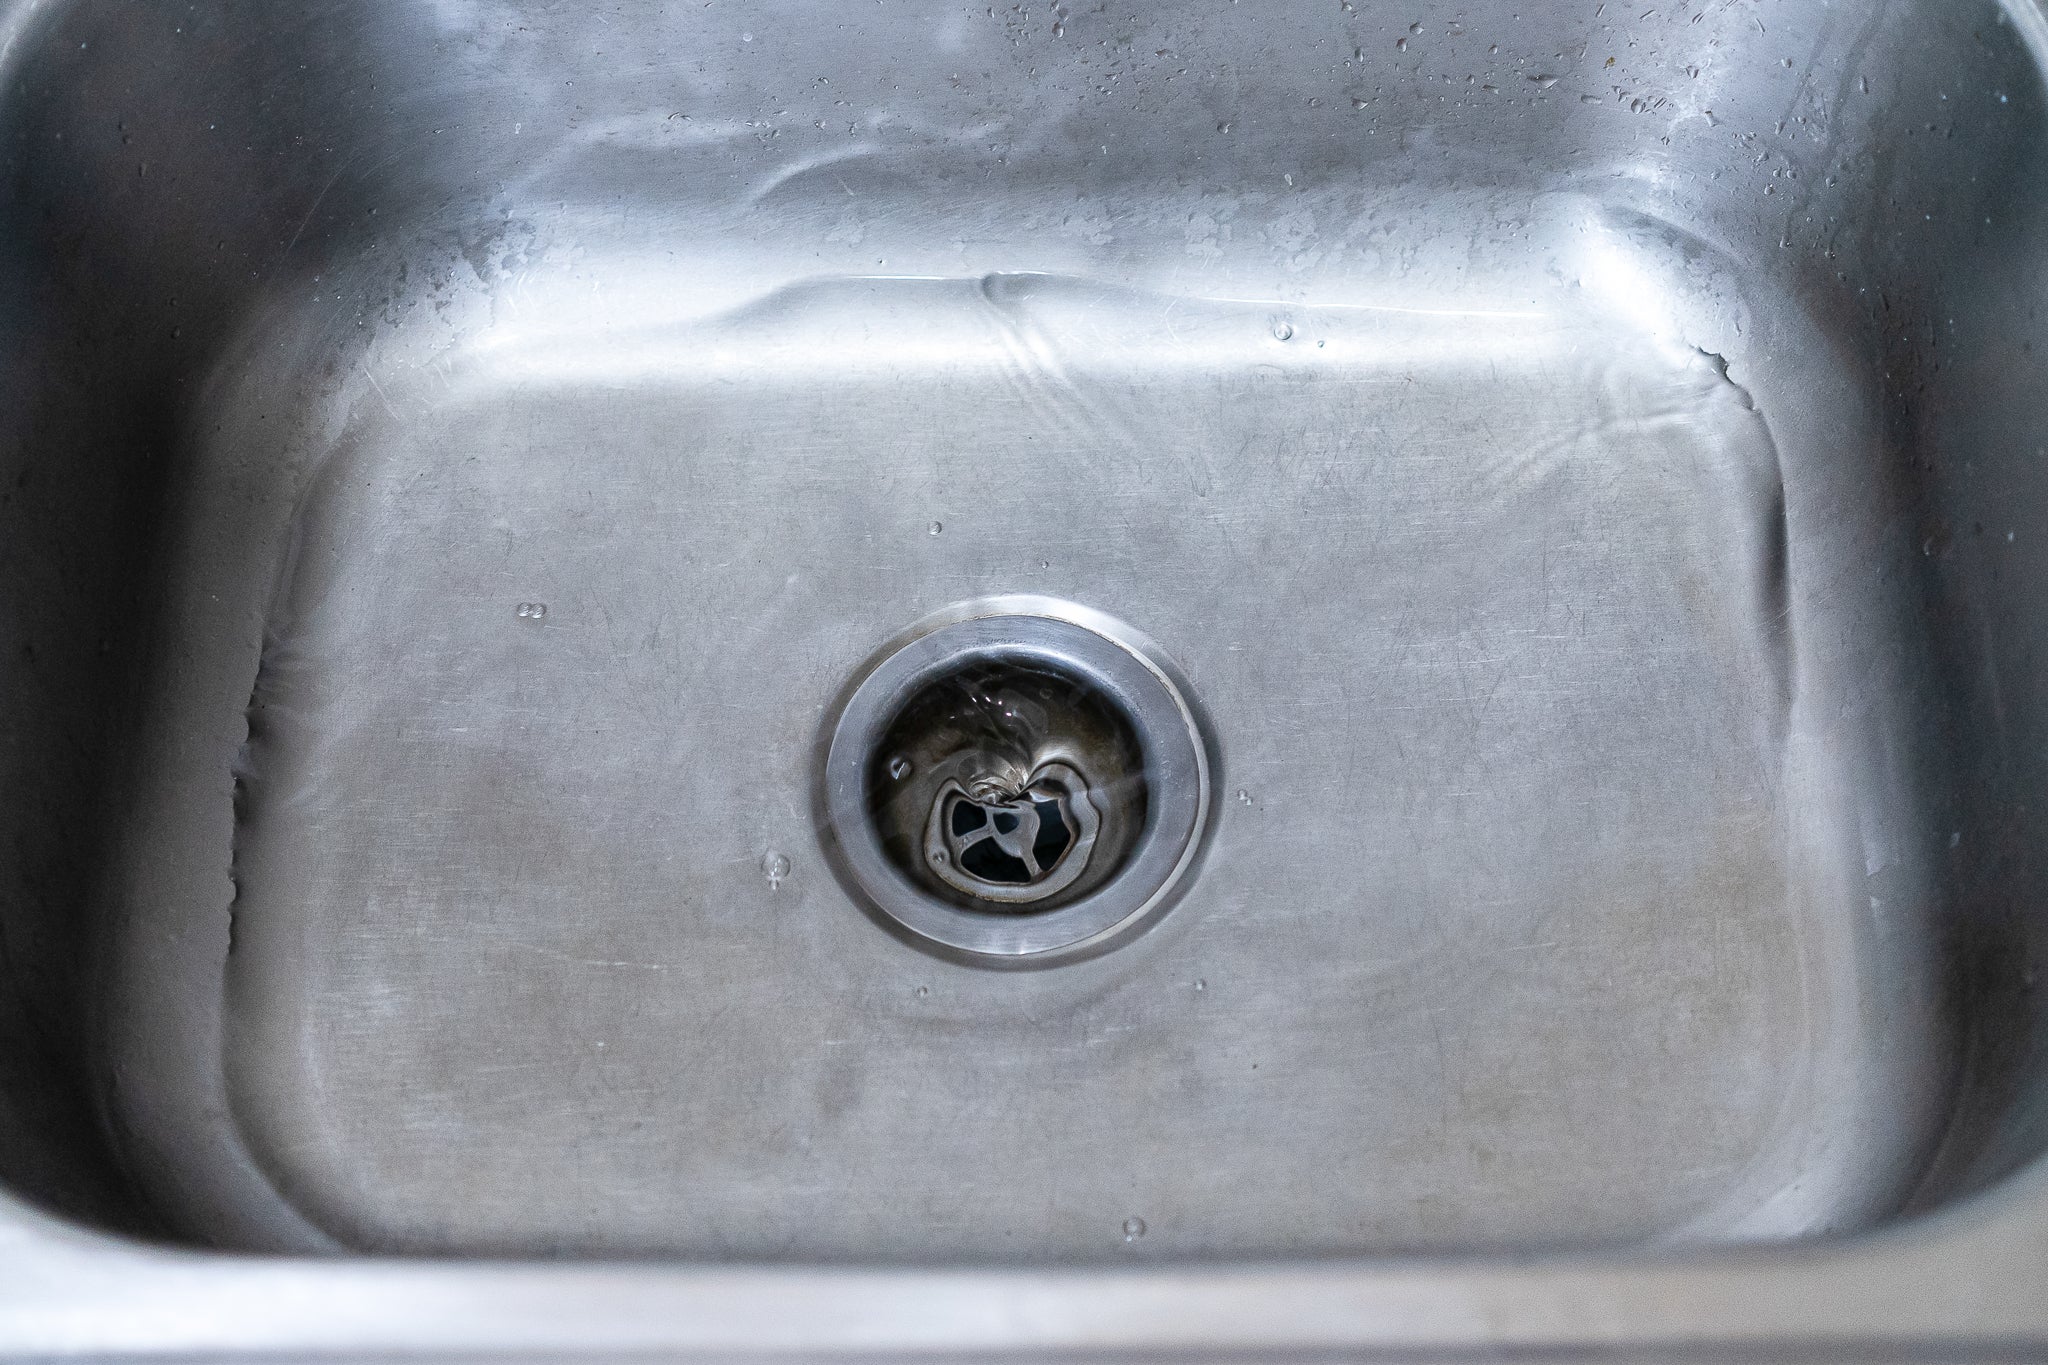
<point x="1016" y="781"/>
<point x="1014" y="848"/>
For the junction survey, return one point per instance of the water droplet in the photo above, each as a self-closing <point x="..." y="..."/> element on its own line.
<point x="1244" y="796"/>
<point x="1357" y="103"/>
<point x="1134" y="1228"/>
<point x="1415" y="27"/>
<point x="775" y="867"/>
<point x="937" y="527"/>
<point x="533" y="611"/>
<point x="1283" y="330"/>
<point x="899" y="767"/>
<point x="1201" y="985"/>
<point x="923" y="991"/>
<point x="1401" y="44"/>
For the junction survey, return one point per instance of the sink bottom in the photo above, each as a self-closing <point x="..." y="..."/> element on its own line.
<point x="1530" y="915"/>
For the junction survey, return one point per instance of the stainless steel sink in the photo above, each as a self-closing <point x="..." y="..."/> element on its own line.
<point x="767" y="676"/>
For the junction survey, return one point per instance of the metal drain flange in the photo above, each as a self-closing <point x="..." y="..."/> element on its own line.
<point x="1016" y="781"/>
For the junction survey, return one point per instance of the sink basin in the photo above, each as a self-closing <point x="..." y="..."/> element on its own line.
<point x="1495" y="553"/>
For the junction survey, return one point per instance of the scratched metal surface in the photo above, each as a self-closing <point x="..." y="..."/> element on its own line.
<point x="1571" y="496"/>
<point x="1502" y="691"/>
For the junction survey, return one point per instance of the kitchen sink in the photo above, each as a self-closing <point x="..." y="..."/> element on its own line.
<point x="1106" y="678"/>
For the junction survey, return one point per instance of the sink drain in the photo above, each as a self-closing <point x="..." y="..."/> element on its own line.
<point x="1016" y="781"/>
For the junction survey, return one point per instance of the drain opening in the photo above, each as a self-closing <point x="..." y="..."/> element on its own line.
<point x="1015" y="847"/>
<point x="1008" y="784"/>
<point x="1013" y="844"/>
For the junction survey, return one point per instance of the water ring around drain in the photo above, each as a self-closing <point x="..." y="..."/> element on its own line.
<point x="1051" y="814"/>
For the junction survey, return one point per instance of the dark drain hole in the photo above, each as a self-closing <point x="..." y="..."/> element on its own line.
<point x="1053" y="834"/>
<point x="985" y="858"/>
